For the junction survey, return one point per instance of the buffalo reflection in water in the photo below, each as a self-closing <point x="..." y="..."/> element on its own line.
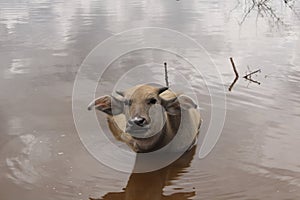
<point x="150" y="185"/>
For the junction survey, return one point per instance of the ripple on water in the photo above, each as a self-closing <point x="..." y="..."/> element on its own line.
<point x="21" y="170"/>
<point x="17" y="67"/>
<point x="261" y="127"/>
<point x="25" y="157"/>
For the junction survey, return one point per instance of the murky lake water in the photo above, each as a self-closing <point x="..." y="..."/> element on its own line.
<point x="42" y="45"/>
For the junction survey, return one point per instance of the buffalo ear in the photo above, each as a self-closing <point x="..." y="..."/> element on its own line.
<point x="174" y="105"/>
<point x="186" y="102"/>
<point x="107" y="104"/>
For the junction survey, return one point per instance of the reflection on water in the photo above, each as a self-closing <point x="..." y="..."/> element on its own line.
<point x="42" y="44"/>
<point x="18" y="66"/>
<point x="267" y="9"/>
<point x="20" y="166"/>
<point x="151" y="185"/>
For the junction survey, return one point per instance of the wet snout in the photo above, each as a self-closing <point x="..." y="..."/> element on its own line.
<point x="137" y="125"/>
<point x="137" y="121"/>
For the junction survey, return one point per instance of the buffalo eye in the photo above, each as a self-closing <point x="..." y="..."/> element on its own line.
<point x="152" y="101"/>
<point x="128" y="102"/>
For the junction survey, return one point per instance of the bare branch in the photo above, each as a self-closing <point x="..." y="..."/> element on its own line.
<point x="166" y="75"/>
<point x="234" y="68"/>
<point x="249" y="75"/>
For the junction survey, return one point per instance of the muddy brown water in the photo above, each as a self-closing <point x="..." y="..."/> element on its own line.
<point x="42" y="45"/>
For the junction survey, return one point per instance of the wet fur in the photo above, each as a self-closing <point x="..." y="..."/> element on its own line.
<point x="190" y="118"/>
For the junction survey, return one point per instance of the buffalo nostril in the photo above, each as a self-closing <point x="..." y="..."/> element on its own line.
<point x="131" y="122"/>
<point x="140" y="121"/>
<point x="137" y="121"/>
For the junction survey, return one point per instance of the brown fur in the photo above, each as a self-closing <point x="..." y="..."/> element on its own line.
<point x="180" y="110"/>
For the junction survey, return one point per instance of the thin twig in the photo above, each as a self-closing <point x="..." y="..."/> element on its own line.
<point x="234" y="68"/>
<point x="249" y="75"/>
<point x="247" y="13"/>
<point x="269" y="11"/>
<point x="232" y="84"/>
<point x="254" y="81"/>
<point x="236" y="74"/>
<point x="235" y="7"/>
<point x="291" y="7"/>
<point x="166" y="75"/>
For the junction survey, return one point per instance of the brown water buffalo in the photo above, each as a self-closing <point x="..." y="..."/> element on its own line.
<point x="147" y="117"/>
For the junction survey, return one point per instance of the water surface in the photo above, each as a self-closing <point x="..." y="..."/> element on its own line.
<point x="42" y="45"/>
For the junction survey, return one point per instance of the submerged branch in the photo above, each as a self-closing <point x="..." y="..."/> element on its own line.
<point x="234" y="68"/>
<point x="232" y="84"/>
<point x="254" y="81"/>
<point x="236" y="74"/>
<point x="249" y="75"/>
